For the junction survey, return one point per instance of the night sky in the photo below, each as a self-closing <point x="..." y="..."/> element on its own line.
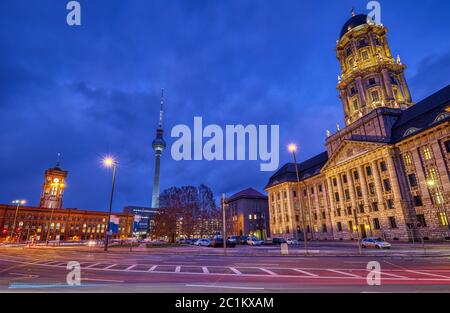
<point x="94" y="90"/>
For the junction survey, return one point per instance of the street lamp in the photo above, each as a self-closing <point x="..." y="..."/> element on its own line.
<point x="293" y="148"/>
<point x="18" y="203"/>
<point x="110" y="162"/>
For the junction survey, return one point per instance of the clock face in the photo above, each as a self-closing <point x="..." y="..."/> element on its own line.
<point x="56" y="180"/>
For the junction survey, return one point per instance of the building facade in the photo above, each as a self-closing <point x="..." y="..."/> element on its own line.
<point x="146" y="218"/>
<point x="49" y="221"/>
<point x="387" y="173"/>
<point x="247" y="214"/>
<point x="64" y="224"/>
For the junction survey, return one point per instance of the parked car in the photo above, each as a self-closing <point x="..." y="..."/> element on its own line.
<point x="253" y="241"/>
<point x="292" y="241"/>
<point x="376" y="243"/>
<point x="193" y="241"/>
<point x="278" y="241"/>
<point x="217" y="242"/>
<point x="203" y="242"/>
<point x="234" y="239"/>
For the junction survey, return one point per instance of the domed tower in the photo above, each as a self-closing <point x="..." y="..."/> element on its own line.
<point x="158" y="145"/>
<point x="53" y="188"/>
<point x="371" y="77"/>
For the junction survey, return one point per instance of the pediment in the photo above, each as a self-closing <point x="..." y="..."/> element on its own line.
<point x="349" y="150"/>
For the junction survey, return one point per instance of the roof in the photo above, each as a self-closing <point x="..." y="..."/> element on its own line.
<point x="307" y="169"/>
<point x="422" y="115"/>
<point x="353" y="22"/>
<point x="248" y="193"/>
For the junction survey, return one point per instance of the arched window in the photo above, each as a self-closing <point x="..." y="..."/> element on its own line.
<point x="411" y="131"/>
<point x="441" y="117"/>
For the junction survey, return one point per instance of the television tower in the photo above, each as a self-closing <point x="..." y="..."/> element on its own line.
<point x="158" y="145"/>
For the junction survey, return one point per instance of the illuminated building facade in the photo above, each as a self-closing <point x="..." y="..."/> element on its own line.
<point x="50" y="219"/>
<point x="387" y="173"/>
<point x="247" y="214"/>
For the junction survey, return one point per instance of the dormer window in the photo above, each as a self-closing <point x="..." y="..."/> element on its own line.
<point x="393" y="80"/>
<point x="372" y="81"/>
<point x="351" y="63"/>
<point x="377" y="42"/>
<point x="362" y="43"/>
<point x="441" y="117"/>
<point x="411" y="131"/>
<point x="353" y="90"/>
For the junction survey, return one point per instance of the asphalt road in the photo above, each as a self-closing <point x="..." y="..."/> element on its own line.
<point x="45" y="270"/>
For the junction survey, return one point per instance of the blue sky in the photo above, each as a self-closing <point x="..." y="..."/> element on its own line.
<point x="93" y="90"/>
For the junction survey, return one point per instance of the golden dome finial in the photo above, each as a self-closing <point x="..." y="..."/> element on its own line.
<point x="353" y="11"/>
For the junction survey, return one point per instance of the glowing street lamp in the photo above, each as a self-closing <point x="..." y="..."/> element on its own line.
<point x="18" y="204"/>
<point x="110" y="162"/>
<point x="293" y="148"/>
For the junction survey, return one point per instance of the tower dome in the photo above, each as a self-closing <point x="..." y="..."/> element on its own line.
<point x="354" y="21"/>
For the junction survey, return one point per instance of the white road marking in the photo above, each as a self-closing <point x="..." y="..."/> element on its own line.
<point x="305" y="272"/>
<point x="229" y="287"/>
<point x="268" y="272"/>
<point x="92" y="265"/>
<point x="423" y="273"/>
<point x="393" y="275"/>
<point x="205" y="270"/>
<point x="345" y="273"/>
<point x="152" y="268"/>
<point x="108" y="267"/>
<point x="177" y="269"/>
<point x="103" y="280"/>
<point x="235" y="271"/>
<point x="131" y="267"/>
<point x="24" y="275"/>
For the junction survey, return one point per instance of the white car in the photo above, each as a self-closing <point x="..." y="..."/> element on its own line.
<point x="252" y="241"/>
<point x="292" y="241"/>
<point x="376" y="243"/>
<point x="203" y="243"/>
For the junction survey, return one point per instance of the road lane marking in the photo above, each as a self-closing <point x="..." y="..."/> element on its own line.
<point x="235" y="271"/>
<point x="92" y="265"/>
<point x="268" y="272"/>
<point x="177" y="269"/>
<point x="305" y="272"/>
<point x="345" y="273"/>
<point x="103" y="280"/>
<point x="423" y="273"/>
<point x="395" y="276"/>
<point x="108" y="267"/>
<point x="229" y="287"/>
<point x="205" y="270"/>
<point x="131" y="267"/>
<point x="151" y="269"/>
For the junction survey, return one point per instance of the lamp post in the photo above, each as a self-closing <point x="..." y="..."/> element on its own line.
<point x="110" y="162"/>
<point x="224" y="225"/>
<point x="293" y="148"/>
<point x="17" y="203"/>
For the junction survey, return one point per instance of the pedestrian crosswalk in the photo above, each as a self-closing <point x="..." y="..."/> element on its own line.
<point x="258" y="271"/>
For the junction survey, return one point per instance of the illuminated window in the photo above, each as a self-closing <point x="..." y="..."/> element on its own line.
<point x="365" y="55"/>
<point x="375" y="96"/>
<point x="249" y="216"/>
<point x="407" y="159"/>
<point x="443" y="220"/>
<point x="426" y="153"/>
<point x="355" y="105"/>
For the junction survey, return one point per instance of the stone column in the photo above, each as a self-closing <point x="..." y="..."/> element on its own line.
<point x="331" y="194"/>
<point x="340" y="191"/>
<point x="352" y="190"/>
<point x="394" y="179"/>
<point x="387" y="84"/>
<point x="421" y="179"/>
<point x="362" y="179"/>
<point x="378" y="184"/>
<point x="362" y="92"/>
